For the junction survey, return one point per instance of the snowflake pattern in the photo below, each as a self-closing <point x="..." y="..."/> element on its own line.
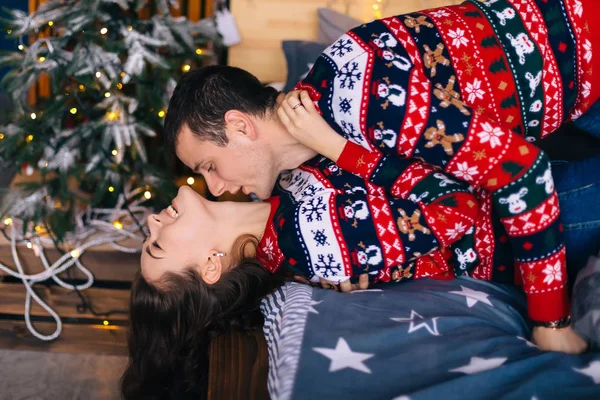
<point x="314" y="209"/>
<point x="310" y="191"/>
<point x="587" y="46"/>
<point x="465" y="172"/>
<point x="440" y="14"/>
<point x="490" y="134"/>
<point x="553" y="273"/>
<point x="578" y="10"/>
<point x="341" y="48"/>
<point x="320" y="237"/>
<point x="458" y="229"/>
<point x="327" y="267"/>
<point x="269" y="249"/>
<point x="474" y="90"/>
<point x="458" y="38"/>
<point x="349" y="75"/>
<point x="586" y="89"/>
<point x="345" y="105"/>
<point x="350" y="132"/>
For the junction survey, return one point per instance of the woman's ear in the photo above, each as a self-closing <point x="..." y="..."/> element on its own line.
<point x="212" y="270"/>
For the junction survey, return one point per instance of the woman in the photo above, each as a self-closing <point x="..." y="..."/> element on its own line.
<point x="206" y="265"/>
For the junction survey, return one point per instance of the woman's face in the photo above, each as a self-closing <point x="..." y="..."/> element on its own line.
<point x="181" y="236"/>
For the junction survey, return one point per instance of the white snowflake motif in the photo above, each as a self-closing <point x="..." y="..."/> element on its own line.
<point x="586" y="89"/>
<point x="578" y="8"/>
<point x="490" y="134"/>
<point x="458" y="229"/>
<point x="440" y="14"/>
<point x="465" y="172"/>
<point x="576" y="114"/>
<point x="458" y="38"/>
<point x="587" y="46"/>
<point x="553" y="273"/>
<point x="269" y="249"/>
<point x="474" y="90"/>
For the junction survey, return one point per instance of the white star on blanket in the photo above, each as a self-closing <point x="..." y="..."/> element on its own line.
<point x="343" y="357"/>
<point x="478" y="364"/>
<point x="473" y="296"/>
<point x="431" y="329"/>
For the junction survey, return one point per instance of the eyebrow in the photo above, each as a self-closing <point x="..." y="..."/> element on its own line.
<point x="150" y="254"/>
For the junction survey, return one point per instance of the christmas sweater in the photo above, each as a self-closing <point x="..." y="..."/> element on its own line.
<point x="468" y="88"/>
<point x="329" y="223"/>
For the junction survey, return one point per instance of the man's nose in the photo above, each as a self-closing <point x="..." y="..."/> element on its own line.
<point x="216" y="185"/>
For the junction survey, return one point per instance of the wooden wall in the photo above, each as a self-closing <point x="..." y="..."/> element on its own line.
<point x="263" y="24"/>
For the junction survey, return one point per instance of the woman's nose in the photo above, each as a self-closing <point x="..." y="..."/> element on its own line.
<point x="153" y="222"/>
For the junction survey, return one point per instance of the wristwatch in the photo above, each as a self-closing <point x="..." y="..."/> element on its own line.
<point x="558" y="324"/>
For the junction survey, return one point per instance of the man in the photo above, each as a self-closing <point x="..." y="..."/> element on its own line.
<point x="457" y="87"/>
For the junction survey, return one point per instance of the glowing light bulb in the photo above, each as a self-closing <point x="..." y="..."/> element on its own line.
<point x="190" y="180"/>
<point x="198" y="51"/>
<point x="75" y="253"/>
<point x="107" y="95"/>
<point x="103" y="31"/>
<point x="29" y="245"/>
<point x="147" y="195"/>
<point x="118" y="224"/>
<point x="1" y="136"/>
<point x="7" y="221"/>
<point x="98" y="74"/>
<point x="161" y="113"/>
<point x="114" y="152"/>
<point x="186" y="67"/>
<point x="33" y="116"/>
<point x="119" y="85"/>
<point x="50" y="23"/>
<point x="73" y="111"/>
<point x="81" y="87"/>
<point x="111" y="189"/>
<point x="21" y="47"/>
<point x="105" y="322"/>
<point x="29" y="138"/>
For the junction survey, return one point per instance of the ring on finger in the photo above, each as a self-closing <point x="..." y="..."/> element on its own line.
<point x="296" y="106"/>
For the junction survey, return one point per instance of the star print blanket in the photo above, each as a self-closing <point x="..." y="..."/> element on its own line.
<point x="427" y="339"/>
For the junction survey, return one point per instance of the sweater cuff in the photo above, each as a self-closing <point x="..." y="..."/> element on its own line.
<point x="358" y="160"/>
<point x="548" y="306"/>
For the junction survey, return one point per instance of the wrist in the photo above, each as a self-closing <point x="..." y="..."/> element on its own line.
<point x="554" y="325"/>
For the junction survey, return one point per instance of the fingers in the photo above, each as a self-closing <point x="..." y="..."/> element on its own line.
<point x="346" y="286"/>
<point x="363" y="282"/>
<point x="307" y="102"/>
<point x="325" y="284"/>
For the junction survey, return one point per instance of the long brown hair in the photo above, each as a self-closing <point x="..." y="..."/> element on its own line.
<point x="172" y="323"/>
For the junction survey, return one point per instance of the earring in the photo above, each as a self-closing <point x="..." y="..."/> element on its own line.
<point x="219" y="254"/>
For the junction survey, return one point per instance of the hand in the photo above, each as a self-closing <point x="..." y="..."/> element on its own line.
<point x="565" y="340"/>
<point x="346" y="286"/>
<point x="301" y="119"/>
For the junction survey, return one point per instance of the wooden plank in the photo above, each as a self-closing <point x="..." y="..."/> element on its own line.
<point x="193" y="10"/>
<point x="32" y="92"/>
<point x="105" y="265"/>
<point x="64" y="301"/>
<point x="264" y="24"/>
<point x="74" y="338"/>
<point x="238" y="367"/>
<point x="176" y="11"/>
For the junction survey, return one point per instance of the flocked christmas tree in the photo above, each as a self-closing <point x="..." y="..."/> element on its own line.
<point x="95" y="141"/>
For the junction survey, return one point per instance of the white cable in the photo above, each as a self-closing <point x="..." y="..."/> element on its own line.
<point x="86" y="238"/>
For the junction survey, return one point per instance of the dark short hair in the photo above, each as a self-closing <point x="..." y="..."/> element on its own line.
<point x="204" y="95"/>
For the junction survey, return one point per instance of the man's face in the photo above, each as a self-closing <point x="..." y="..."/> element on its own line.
<point x="245" y="163"/>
